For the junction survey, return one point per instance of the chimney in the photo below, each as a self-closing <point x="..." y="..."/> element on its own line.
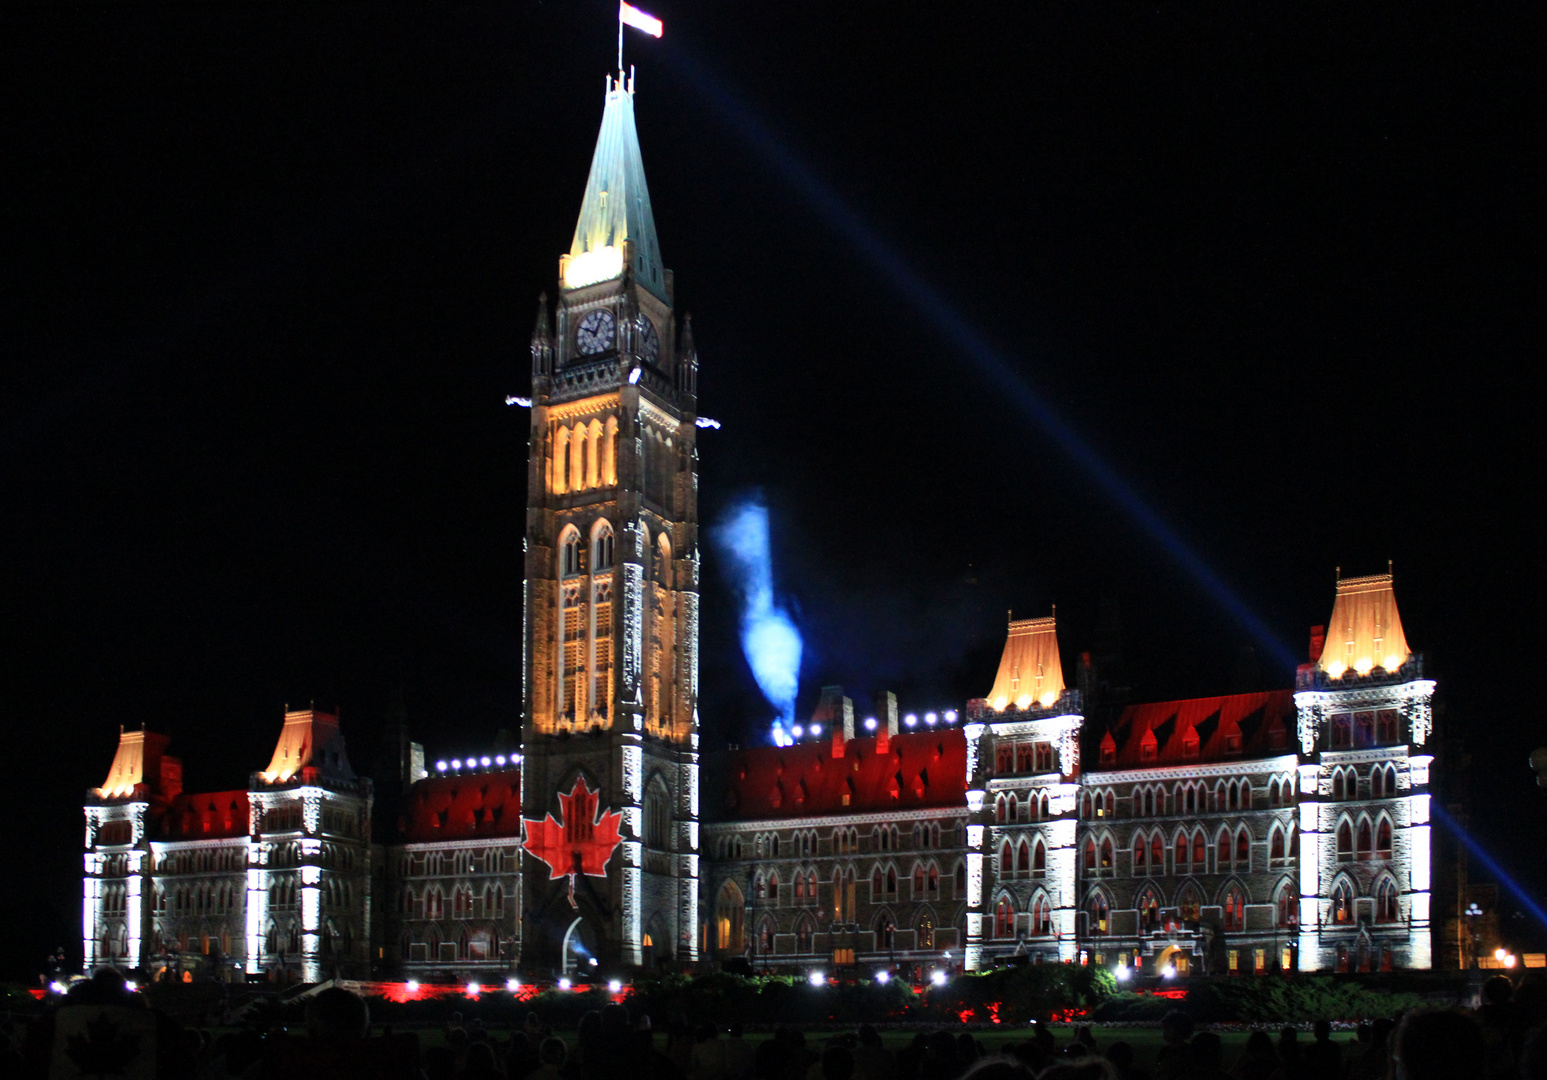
<point x="1318" y="642"/>
<point x="171" y="777"/>
<point x="886" y="721"/>
<point x="837" y="712"/>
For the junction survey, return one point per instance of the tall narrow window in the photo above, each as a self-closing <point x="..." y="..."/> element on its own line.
<point x="558" y="466"/>
<point x="1343" y="902"/>
<point x="1097" y="912"/>
<point x="610" y="451"/>
<point x="1386" y="901"/>
<point x="1235" y="910"/>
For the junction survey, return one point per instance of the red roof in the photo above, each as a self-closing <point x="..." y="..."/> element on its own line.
<point x="920" y="770"/>
<point x="1203" y="729"/>
<point x="215" y="815"/>
<point x="463" y="807"/>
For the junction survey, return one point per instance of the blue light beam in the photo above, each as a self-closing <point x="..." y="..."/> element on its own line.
<point x="769" y="638"/>
<point x="1482" y="856"/>
<point x="959" y="332"/>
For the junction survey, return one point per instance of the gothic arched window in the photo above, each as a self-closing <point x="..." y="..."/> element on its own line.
<point x="569" y="548"/>
<point x="1386" y="901"/>
<point x="602" y="549"/>
<point x="1235" y="909"/>
<point x="1097" y="911"/>
<point x="1383" y="839"/>
<point x="1287" y="909"/>
<point x="730" y="914"/>
<point x="1041" y="916"/>
<point x="1343" y="902"/>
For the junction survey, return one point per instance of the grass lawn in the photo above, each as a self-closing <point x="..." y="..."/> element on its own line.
<point x="1145" y="1041"/>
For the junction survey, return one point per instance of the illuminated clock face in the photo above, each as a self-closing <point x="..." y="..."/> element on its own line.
<point x="594" y="334"/>
<point x="649" y="342"/>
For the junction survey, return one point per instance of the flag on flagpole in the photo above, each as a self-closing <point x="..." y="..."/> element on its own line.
<point x="639" y="20"/>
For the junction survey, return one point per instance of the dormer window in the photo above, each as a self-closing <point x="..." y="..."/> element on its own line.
<point x="1190" y="745"/>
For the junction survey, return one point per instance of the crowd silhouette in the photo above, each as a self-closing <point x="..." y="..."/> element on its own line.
<point x="101" y="1028"/>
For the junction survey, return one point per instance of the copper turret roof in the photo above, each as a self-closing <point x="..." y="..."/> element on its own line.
<point x="1365" y="631"/>
<point x="1031" y="675"/>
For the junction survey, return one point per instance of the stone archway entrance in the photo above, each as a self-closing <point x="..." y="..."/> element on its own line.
<point x="579" y="947"/>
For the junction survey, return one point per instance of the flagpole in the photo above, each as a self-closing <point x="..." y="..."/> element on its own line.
<point x="620" y="41"/>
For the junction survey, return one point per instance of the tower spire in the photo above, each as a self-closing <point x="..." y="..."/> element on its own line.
<point x="616" y="227"/>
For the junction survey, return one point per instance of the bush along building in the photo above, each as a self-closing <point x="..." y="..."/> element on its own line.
<point x="1242" y="833"/>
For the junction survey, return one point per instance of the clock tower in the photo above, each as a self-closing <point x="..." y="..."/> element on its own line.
<point x="610" y="649"/>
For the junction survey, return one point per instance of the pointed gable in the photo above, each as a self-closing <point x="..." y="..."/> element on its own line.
<point x="1200" y="729"/>
<point x="1365" y="631"/>
<point x="485" y="804"/>
<point x="921" y="770"/>
<point x="1031" y="675"/>
<point x="616" y="207"/>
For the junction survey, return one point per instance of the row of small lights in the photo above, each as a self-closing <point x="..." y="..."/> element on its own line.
<point x="458" y="764"/>
<point x="819" y="978"/>
<point x="798" y="731"/>
<point x="513" y="985"/>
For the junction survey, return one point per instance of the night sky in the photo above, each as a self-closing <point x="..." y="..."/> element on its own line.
<point x="1001" y="306"/>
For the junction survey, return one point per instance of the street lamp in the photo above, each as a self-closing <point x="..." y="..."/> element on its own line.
<point x="1472" y="911"/>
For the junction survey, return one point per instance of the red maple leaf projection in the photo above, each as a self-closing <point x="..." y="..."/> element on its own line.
<point x="581" y="841"/>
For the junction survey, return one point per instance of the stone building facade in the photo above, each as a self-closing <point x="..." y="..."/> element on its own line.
<point x="1237" y="833"/>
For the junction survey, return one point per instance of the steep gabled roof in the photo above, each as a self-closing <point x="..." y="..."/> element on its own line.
<point x="468" y="807"/>
<point x="1198" y="730"/>
<point x="215" y="815"/>
<point x="1031" y="675"/>
<point x="138" y="761"/>
<point x="309" y="739"/>
<point x="616" y="206"/>
<point x="1365" y="631"/>
<point x="920" y="770"/>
